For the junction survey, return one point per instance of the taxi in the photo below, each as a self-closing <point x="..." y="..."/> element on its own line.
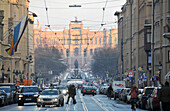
<point x="50" y="97"/>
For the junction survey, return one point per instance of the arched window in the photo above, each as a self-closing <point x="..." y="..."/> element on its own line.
<point x="76" y="52"/>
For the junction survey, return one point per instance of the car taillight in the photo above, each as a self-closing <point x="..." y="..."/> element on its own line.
<point x="92" y="90"/>
<point x="145" y="95"/>
<point x="84" y="90"/>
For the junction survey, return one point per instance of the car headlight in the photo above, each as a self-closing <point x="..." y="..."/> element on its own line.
<point x="20" y="96"/>
<point x="64" y="91"/>
<point x="40" y="99"/>
<point x="35" y="95"/>
<point x="54" y="99"/>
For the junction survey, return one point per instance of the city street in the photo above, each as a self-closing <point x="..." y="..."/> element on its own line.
<point x="84" y="103"/>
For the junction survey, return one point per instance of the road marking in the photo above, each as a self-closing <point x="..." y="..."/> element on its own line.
<point x="83" y="103"/>
<point x="68" y="105"/>
<point x="104" y="103"/>
<point x="100" y="104"/>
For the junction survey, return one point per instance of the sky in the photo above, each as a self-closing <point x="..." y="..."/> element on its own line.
<point x="90" y="13"/>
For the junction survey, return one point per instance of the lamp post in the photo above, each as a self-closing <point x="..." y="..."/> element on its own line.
<point x="13" y="76"/>
<point x="160" y="68"/>
<point x="8" y="75"/>
<point x="2" y="71"/>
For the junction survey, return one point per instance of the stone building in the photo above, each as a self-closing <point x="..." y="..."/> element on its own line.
<point x="11" y="13"/>
<point x="76" y="43"/>
<point x="134" y="41"/>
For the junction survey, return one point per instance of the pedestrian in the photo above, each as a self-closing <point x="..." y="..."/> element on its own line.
<point x="164" y="97"/>
<point x="134" y="95"/>
<point x="71" y="93"/>
<point x="109" y="91"/>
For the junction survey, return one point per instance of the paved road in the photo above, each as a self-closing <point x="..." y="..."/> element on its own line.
<point x="84" y="103"/>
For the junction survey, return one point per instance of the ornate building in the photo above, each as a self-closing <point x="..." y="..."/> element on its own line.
<point x="76" y="43"/>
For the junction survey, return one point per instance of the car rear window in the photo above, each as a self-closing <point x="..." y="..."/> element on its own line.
<point x="149" y="91"/>
<point x="7" y="90"/>
<point x="89" y="88"/>
<point x="30" y="89"/>
<point x="50" y="93"/>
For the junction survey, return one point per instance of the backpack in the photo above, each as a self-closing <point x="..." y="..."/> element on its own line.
<point x="134" y="93"/>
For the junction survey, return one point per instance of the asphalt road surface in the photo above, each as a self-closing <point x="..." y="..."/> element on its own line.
<point x="84" y="103"/>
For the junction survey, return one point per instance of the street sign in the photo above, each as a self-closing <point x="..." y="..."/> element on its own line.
<point x="139" y="68"/>
<point x="130" y="73"/>
<point x="126" y="73"/>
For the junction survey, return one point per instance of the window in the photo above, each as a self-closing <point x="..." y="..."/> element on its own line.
<point x="61" y="51"/>
<point x="96" y="41"/>
<point x="76" y="40"/>
<point x="67" y="52"/>
<point x="85" y="52"/>
<point x="76" y="51"/>
<point x="100" y="41"/>
<point x="149" y="57"/>
<point x="91" y="51"/>
<point x="91" y="41"/>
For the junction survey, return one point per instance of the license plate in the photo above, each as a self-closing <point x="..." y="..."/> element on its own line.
<point x="88" y="90"/>
<point x="28" y="99"/>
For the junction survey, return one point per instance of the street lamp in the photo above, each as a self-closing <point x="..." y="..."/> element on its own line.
<point x="2" y="71"/>
<point x="8" y="75"/>
<point x="160" y="68"/>
<point x="13" y="76"/>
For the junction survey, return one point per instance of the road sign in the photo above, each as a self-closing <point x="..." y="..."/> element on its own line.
<point x="130" y="73"/>
<point x="126" y="73"/>
<point x="139" y="68"/>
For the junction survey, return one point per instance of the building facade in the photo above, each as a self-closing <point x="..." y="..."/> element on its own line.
<point x="76" y="43"/>
<point x="143" y="41"/>
<point x="19" y="65"/>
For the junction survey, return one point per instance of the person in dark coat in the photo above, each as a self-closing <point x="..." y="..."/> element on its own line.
<point x="109" y="91"/>
<point x="164" y="97"/>
<point x="71" y="93"/>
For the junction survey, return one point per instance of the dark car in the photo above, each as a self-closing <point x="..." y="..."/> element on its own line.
<point x="9" y="93"/>
<point x="3" y="98"/>
<point x="28" y="94"/>
<point x="147" y="91"/>
<point x="154" y="102"/>
<point x="116" y="93"/>
<point x="89" y="90"/>
<point x="14" y="90"/>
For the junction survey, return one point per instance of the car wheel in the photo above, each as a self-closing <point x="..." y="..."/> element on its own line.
<point x="93" y="94"/>
<point x="83" y="94"/>
<point x="114" y="98"/>
<point x="20" y="104"/>
<point x="38" y="105"/>
<point x="57" y="105"/>
<point x="43" y="105"/>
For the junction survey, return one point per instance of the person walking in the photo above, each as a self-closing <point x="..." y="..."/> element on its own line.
<point x="71" y="93"/>
<point x="164" y="97"/>
<point x="109" y="92"/>
<point x="134" y="95"/>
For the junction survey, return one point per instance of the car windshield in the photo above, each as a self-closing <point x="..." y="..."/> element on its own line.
<point x="89" y="88"/>
<point x="7" y="90"/>
<point x="29" y="89"/>
<point x="149" y="91"/>
<point x="50" y="93"/>
<point x="118" y="90"/>
<point x="60" y="87"/>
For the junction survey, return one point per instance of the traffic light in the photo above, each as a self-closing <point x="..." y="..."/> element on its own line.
<point x="85" y="52"/>
<point x="67" y="52"/>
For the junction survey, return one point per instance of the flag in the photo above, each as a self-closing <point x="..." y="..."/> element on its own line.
<point x="18" y="32"/>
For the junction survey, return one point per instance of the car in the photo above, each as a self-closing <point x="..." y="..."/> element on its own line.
<point x="125" y="93"/>
<point x="138" y="103"/>
<point x="63" y="89"/>
<point x="83" y="88"/>
<point x="116" y="93"/>
<point x="89" y="90"/>
<point x="154" y="103"/>
<point x="14" y="90"/>
<point x="9" y="93"/>
<point x="105" y="90"/>
<point x="121" y="94"/>
<point x="50" y="97"/>
<point x="147" y="91"/>
<point x="28" y="94"/>
<point x="3" y="98"/>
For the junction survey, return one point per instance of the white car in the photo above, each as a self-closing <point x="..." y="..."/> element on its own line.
<point x="50" y="97"/>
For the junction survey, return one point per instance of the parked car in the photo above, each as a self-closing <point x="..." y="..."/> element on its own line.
<point x="3" y="98"/>
<point x="101" y="89"/>
<point x="138" y="103"/>
<point x="147" y="91"/>
<point x="89" y="90"/>
<point x="28" y="94"/>
<point x="14" y="90"/>
<point x="83" y="88"/>
<point x="50" y="97"/>
<point x="9" y="93"/>
<point x="121" y="94"/>
<point x="154" y="103"/>
<point x="125" y="93"/>
<point x="116" y="93"/>
<point x="105" y="90"/>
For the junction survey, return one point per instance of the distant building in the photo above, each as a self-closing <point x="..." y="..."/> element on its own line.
<point x="76" y="42"/>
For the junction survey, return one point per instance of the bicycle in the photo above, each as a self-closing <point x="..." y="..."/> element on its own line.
<point x="133" y="103"/>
